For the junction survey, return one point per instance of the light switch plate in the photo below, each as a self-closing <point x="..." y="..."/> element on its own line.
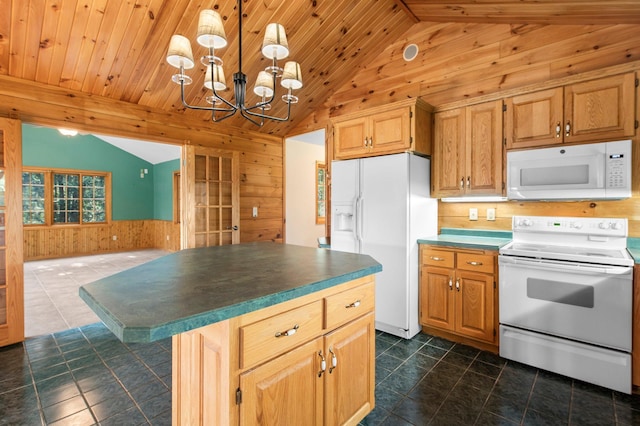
<point x="491" y="214"/>
<point x="255" y="212"/>
<point x="473" y="214"/>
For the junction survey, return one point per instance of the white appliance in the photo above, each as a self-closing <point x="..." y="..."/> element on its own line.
<point x="566" y="298"/>
<point x="574" y="172"/>
<point x="380" y="206"/>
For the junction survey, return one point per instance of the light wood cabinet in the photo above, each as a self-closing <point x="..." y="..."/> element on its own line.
<point x="467" y="151"/>
<point x="11" y="239"/>
<point x="400" y="127"/>
<point x="310" y="360"/>
<point x="458" y="295"/>
<point x="597" y="110"/>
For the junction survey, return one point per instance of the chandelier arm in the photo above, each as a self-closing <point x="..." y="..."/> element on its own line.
<point x="201" y="108"/>
<point x="243" y="113"/>
<point x="215" y="94"/>
<point x="263" y="116"/>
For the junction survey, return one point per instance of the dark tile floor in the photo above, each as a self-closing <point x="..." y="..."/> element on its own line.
<point x="85" y="376"/>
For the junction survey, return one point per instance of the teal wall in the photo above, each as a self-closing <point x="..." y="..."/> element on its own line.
<point x="163" y="189"/>
<point x="132" y="198"/>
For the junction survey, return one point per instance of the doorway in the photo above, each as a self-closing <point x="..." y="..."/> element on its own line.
<point x="303" y="189"/>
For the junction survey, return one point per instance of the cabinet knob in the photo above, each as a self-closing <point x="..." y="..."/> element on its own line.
<point x="323" y="364"/>
<point x="289" y="332"/>
<point x="567" y="128"/>
<point x="458" y="284"/>
<point x="353" y="305"/>
<point x="450" y="283"/>
<point x="558" y="129"/>
<point x="334" y="360"/>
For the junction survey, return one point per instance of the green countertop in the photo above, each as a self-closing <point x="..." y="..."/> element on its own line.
<point x="197" y="287"/>
<point x="633" y="247"/>
<point x="469" y="238"/>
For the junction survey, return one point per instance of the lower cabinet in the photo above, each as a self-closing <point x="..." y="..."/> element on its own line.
<point x="458" y="295"/>
<point x="325" y="381"/>
<point x="307" y="361"/>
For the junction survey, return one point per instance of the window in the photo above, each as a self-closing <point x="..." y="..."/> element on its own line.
<point x="33" y="199"/>
<point x="65" y="197"/>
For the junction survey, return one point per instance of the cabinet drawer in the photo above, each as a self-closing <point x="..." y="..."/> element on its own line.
<point x="444" y="259"/>
<point x="350" y="304"/>
<point x="275" y="335"/>
<point x="476" y="262"/>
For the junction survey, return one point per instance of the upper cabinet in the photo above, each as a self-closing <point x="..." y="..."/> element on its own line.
<point x="595" y="110"/>
<point x="467" y="151"/>
<point x="399" y="127"/>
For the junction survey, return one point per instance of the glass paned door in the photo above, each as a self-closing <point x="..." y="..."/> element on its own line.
<point x="214" y="207"/>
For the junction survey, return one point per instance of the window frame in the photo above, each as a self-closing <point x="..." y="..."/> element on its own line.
<point x="49" y="199"/>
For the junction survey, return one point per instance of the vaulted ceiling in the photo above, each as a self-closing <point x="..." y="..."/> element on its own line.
<point x="116" y="49"/>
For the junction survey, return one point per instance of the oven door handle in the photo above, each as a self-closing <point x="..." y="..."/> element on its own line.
<point x="559" y="265"/>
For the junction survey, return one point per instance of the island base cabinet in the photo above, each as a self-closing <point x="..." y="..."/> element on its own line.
<point x="326" y="378"/>
<point x="325" y="381"/>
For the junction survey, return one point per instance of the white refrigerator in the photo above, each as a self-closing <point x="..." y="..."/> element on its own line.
<point x="381" y="206"/>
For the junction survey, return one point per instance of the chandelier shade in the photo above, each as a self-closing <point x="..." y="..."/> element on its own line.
<point x="210" y="30"/>
<point x="179" y="54"/>
<point x="211" y="36"/>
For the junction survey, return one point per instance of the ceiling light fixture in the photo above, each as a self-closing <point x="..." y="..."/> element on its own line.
<point x="68" y="132"/>
<point x="211" y="35"/>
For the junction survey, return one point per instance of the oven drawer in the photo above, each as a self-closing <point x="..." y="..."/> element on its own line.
<point x="441" y="258"/>
<point x="476" y="262"/>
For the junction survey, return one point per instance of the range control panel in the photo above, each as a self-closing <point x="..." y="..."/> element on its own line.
<point x="571" y="225"/>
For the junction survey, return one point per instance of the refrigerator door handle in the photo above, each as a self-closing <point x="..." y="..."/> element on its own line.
<point x="360" y="222"/>
<point x="356" y="216"/>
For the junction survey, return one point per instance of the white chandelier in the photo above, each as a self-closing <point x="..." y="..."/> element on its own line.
<point x="211" y="35"/>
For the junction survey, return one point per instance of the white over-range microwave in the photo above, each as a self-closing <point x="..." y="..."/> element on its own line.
<point x="594" y="171"/>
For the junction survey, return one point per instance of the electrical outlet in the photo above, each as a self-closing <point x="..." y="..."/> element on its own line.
<point x="115" y="237"/>
<point x="473" y="214"/>
<point x="491" y="214"/>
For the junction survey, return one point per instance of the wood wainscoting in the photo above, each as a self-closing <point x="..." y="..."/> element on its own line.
<point x="65" y="241"/>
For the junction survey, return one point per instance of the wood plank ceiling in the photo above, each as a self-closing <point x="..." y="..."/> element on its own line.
<point x="116" y="49"/>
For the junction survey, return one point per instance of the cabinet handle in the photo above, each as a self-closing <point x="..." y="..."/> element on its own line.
<point x="334" y="360"/>
<point x="289" y="332"/>
<point x="474" y="263"/>
<point x="366" y="144"/>
<point x="558" y="129"/>
<point x="462" y="182"/>
<point x="436" y="258"/>
<point x="353" y="305"/>
<point x="450" y="283"/>
<point x="468" y="181"/>
<point x="458" y="284"/>
<point x="371" y="142"/>
<point x="323" y="364"/>
<point x="567" y="128"/>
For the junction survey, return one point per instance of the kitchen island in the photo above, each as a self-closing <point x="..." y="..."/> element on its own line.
<point x="263" y="333"/>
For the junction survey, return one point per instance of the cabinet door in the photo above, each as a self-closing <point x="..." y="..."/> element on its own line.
<point x="350" y="385"/>
<point x="448" y="167"/>
<point x="391" y="131"/>
<point x="436" y="297"/>
<point x="474" y="305"/>
<point x="534" y="119"/>
<point x="351" y="138"/>
<point x="484" y="148"/>
<point x="601" y="109"/>
<point x="285" y="391"/>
